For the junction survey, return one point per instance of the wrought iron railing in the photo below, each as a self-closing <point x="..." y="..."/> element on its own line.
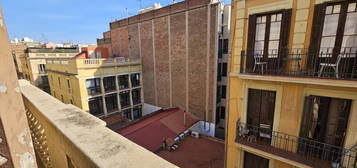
<point x="323" y="63"/>
<point x="304" y="150"/>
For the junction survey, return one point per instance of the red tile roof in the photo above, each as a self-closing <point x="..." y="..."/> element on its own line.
<point x="205" y="152"/>
<point x="151" y="131"/>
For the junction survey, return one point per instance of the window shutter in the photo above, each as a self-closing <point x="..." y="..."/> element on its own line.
<point x="284" y="35"/>
<point x="316" y="33"/>
<point x="251" y="40"/>
<point x="307" y="116"/>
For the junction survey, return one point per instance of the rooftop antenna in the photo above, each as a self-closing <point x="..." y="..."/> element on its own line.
<point x="141" y="4"/>
<point x="126" y="12"/>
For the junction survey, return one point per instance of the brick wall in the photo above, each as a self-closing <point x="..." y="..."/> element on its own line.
<point x="178" y="68"/>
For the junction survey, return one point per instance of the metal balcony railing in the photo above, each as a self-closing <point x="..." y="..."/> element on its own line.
<point x="333" y="63"/>
<point x="298" y="149"/>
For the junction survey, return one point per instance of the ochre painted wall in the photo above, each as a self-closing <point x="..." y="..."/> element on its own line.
<point x="290" y="95"/>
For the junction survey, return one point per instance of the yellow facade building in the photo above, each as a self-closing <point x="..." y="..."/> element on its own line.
<point x="101" y="86"/>
<point x="293" y="84"/>
<point x="33" y="63"/>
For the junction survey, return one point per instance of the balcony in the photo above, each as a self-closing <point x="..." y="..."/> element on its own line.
<point x="65" y="136"/>
<point x="53" y="50"/>
<point x="71" y="65"/>
<point x="327" y="63"/>
<point x="297" y="149"/>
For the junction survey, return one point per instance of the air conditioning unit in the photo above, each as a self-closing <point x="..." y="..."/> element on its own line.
<point x="195" y="134"/>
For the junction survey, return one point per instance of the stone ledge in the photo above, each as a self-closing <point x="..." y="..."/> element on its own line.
<point x="89" y="135"/>
<point x="300" y="80"/>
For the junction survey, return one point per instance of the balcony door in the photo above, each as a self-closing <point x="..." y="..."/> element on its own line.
<point x="325" y="119"/>
<point x="267" y="38"/>
<point x="334" y="38"/>
<point x="323" y="127"/>
<point x="254" y="161"/>
<point x="261" y="107"/>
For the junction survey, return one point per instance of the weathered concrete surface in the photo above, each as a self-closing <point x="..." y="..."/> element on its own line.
<point x="12" y="113"/>
<point x="82" y="137"/>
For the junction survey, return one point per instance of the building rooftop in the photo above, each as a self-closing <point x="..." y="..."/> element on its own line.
<point x="205" y="152"/>
<point x="150" y="132"/>
<point x="157" y="127"/>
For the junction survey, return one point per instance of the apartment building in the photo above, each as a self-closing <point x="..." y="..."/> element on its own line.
<point x="292" y="85"/>
<point x="183" y="64"/>
<point x="98" y="84"/>
<point x="18" y="48"/>
<point x="33" y="64"/>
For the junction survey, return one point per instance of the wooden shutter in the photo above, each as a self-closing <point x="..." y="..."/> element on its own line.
<point x="285" y="30"/>
<point x="316" y="32"/>
<point x="254" y="105"/>
<point x="284" y="33"/>
<point x="267" y="107"/>
<point x="306" y="124"/>
<point x="251" y="41"/>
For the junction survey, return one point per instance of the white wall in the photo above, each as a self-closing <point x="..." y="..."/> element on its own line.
<point x="148" y="108"/>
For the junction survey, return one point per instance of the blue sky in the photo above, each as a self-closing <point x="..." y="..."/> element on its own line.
<point x="77" y="21"/>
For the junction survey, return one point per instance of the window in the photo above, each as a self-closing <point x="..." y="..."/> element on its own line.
<point x="325" y="119"/>
<point x="137" y="112"/>
<point x="135" y="80"/>
<point x="93" y="86"/>
<point x="68" y="84"/>
<point x="127" y="114"/>
<point x="224" y="92"/>
<point x="267" y="34"/>
<point x="225" y="46"/>
<point x="339" y="29"/>
<point x="219" y="72"/>
<point x="136" y="96"/>
<point x="123" y="81"/>
<point x="220" y="48"/>
<point x="44" y="80"/>
<point x="109" y="83"/>
<point x="96" y="106"/>
<point x="261" y="107"/>
<point x="224" y="69"/>
<point x="71" y="101"/>
<point x="62" y="99"/>
<point x="42" y="68"/>
<point x="111" y="102"/>
<point x="124" y="99"/>
<point x="222" y="113"/>
<point x="251" y="160"/>
<point x="219" y="94"/>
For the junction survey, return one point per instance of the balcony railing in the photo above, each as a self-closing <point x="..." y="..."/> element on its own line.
<point x="53" y="50"/>
<point x="323" y="63"/>
<point x="64" y="135"/>
<point x="303" y="150"/>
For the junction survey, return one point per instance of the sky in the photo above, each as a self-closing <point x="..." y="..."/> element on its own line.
<point x="76" y="21"/>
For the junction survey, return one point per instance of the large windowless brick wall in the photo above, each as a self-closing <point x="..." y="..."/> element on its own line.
<point x="177" y="44"/>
